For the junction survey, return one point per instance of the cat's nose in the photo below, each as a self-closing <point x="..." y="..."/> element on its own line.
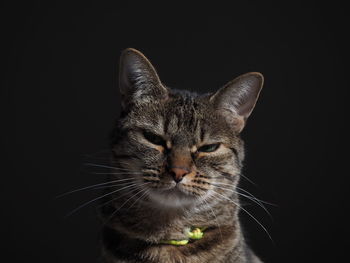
<point x="178" y="173"/>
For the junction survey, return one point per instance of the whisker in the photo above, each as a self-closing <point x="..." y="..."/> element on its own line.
<point x="256" y="220"/>
<point x="92" y="186"/>
<point x="113" y="185"/>
<point x="121" y="173"/>
<point x="110" y="217"/>
<point x="114" y="199"/>
<point x="93" y="200"/>
<point x="146" y="192"/>
<point x="241" y="189"/>
<point x="258" y="202"/>
<point x="106" y="166"/>
<point x="262" y="201"/>
<point x="243" y="176"/>
<point x="255" y="200"/>
<point x="216" y="219"/>
<point x="249" y="180"/>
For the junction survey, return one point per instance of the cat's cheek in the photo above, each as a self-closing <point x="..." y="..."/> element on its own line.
<point x="187" y="179"/>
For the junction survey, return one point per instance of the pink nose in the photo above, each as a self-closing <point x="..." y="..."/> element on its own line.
<point x="178" y="173"/>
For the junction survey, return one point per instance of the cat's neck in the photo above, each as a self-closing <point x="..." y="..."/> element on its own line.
<point x="140" y="230"/>
<point x="153" y="224"/>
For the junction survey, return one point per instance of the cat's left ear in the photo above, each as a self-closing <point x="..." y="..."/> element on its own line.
<point x="236" y="100"/>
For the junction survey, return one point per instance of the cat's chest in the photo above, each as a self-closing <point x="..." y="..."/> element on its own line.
<point x="214" y="246"/>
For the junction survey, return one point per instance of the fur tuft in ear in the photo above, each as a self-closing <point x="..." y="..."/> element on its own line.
<point x="236" y="100"/>
<point x="138" y="80"/>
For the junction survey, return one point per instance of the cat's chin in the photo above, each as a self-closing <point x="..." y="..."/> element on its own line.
<point x="172" y="197"/>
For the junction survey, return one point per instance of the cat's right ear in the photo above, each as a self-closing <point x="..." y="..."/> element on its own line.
<point x="138" y="80"/>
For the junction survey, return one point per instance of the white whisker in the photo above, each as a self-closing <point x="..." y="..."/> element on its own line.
<point x="95" y="199"/>
<point x="92" y="186"/>
<point x="121" y="173"/>
<point x="216" y="219"/>
<point x="110" y="217"/>
<point x="113" y="185"/>
<point x="262" y="201"/>
<point x="241" y="189"/>
<point x="255" y="200"/>
<point x="146" y="192"/>
<point x="106" y="166"/>
<point x="249" y="180"/>
<point x="256" y="220"/>
<point x="114" y="199"/>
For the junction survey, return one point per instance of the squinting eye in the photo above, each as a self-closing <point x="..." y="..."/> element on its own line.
<point x="209" y="148"/>
<point x="153" y="138"/>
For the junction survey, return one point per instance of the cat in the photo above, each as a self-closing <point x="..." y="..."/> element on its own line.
<point x="176" y="158"/>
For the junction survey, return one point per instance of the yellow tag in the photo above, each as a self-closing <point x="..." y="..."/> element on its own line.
<point x="196" y="233"/>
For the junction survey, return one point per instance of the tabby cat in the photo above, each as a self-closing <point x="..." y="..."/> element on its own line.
<point x="175" y="165"/>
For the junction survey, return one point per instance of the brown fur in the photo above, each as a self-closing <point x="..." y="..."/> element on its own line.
<point x="179" y="155"/>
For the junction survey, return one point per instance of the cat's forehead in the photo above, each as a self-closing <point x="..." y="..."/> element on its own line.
<point x="184" y="117"/>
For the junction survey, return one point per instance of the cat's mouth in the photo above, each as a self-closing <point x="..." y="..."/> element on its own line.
<point x="171" y="188"/>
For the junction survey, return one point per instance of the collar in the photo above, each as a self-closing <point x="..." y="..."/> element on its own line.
<point x="194" y="234"/>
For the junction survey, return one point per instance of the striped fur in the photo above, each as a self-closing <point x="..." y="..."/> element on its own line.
<point x="161" y="136"/>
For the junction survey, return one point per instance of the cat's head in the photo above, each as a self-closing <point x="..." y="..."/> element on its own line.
<point x="179" y="148"/>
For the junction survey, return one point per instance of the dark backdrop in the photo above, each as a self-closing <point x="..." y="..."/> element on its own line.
<point x="59" y="102"/>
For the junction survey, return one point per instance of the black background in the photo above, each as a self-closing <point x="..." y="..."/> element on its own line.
<point x="59" y="102"/>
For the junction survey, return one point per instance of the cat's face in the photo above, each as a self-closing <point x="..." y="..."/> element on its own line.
<point x="180" y="149"/>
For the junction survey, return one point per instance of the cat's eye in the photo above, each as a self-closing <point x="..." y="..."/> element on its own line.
<point x="154" y="138"/>
<point x="209" y="148"/>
